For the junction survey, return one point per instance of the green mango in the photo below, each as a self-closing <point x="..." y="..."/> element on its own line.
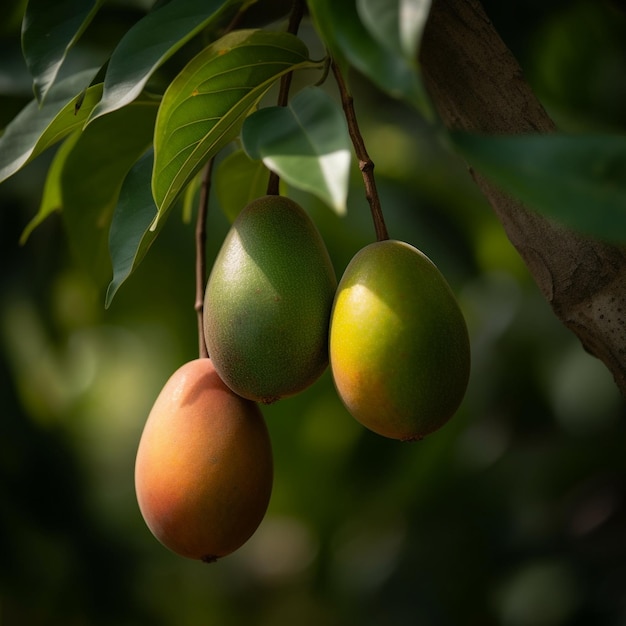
<point x="268" y="301"/>
<point x="399" y="346"/>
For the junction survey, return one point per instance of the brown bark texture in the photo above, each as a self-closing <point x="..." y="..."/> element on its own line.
<point x="477" y="85"/>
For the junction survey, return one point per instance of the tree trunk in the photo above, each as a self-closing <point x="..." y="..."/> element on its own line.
<point x="477" y="85"/>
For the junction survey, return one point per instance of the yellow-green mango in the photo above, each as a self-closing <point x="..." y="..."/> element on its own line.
<point x="399" y="346"/>
<point x="204" y="469"/>
<point x="268" y="301"/>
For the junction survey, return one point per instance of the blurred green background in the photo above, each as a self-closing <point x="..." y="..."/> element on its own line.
<point x="514" y="513"/>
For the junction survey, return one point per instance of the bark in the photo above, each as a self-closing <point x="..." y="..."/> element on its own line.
<point x="477" y="85"/>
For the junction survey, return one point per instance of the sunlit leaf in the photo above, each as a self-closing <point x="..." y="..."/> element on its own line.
<point x="48" y="32"/>
<point x="205" y="105"/>
<point x="150" y="42"/>
<point x="130" y="236"/>
<point x="578" y="180"/>
<point x="37" y="128"/>
<point x="396" y="24"/>
<point x="52" y="197"/>
<point x="92" y="178"/>
<point x="351" y="43"/>
<point x="239" y="180"/>
<point x="306" y="143"/>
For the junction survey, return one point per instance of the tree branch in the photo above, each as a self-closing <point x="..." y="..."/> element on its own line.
<point x="477" y="85"/>
<point x="366" y="165"/>
<point x="295" y="17"/>
<point x="200" y="240"/>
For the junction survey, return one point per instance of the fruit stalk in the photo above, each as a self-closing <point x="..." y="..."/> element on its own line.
<point x="366" y="165"/>
<point x="295" y="17"/>
<point x="203" y="205"/>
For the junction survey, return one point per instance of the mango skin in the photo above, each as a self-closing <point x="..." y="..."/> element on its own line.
<point x="204" y="469"/>
<point x="399" y="346"/>
<point x="268" y="301"/>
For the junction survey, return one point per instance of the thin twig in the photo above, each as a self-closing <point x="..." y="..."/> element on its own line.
<point x="200" y="234"/>
<point x="295" y="17"/>
<point x="366" y="165"/>
<point x="203" y="205"/>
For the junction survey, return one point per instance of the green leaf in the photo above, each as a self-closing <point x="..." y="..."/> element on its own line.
<point x="52" y="197"/>
<point x="239" y="180"/>
<point x="351" y="43"/>
<point x="396" y="24"/>
<point x="150" y="42"/>
<point x="205" y="105"/>
<point x="37" y="128"/>
<point x="130" y="236"/>
<point x="48" y="33"/>
<point x="578" y="180"/>
<point x="92" y="178"/>
<point x="306" y="143"/>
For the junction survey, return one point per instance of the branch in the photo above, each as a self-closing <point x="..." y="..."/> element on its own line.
<point x="477" y="85"/>
<point x="295" y="17"/>
<point x="366" y="165"/>
<point x="203" y="205"/>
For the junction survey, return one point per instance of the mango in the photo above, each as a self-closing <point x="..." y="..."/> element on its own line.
<point x="204" y="469"/>
<point x="268" y="301"/>
<point x="399" y="345"/>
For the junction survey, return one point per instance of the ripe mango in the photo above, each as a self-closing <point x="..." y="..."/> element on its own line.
<point x="268" y="300"/>
<point x="204" y="469"/>
<point x="399" y="346"/>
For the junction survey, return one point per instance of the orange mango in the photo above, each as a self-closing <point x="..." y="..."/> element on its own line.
<point x="203" y="472"/>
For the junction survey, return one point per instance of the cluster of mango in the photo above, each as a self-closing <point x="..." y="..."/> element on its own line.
<point x="274" y="318"/>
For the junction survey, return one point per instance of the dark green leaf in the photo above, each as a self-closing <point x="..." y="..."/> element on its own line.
<point x="130" y="236"/>
<point x="150" y="42"/>
<point x="37" y="128"/>
<point x="52" y="197"/>
<point x="306" y="143"/>
<point x="93" y="175"/>
<point x="578" y="180"/>
<point x="49" y="30"/>
<point x="205" y="105"/>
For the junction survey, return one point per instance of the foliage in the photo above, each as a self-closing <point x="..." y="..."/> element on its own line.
<point x="201" y="110"/>
<point x="106" y="133"/>
<point x="563" y="175"/>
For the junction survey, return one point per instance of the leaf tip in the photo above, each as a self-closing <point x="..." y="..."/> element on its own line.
<point x="155" y="221"/>
<point x="111" y="291"/>
<point x="341" y="209"/>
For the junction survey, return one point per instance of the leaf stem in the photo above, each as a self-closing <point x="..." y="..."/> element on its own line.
<point x="366" y="165"/>
<point x="203" y="206"/>
<point x="295" y="17"/>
